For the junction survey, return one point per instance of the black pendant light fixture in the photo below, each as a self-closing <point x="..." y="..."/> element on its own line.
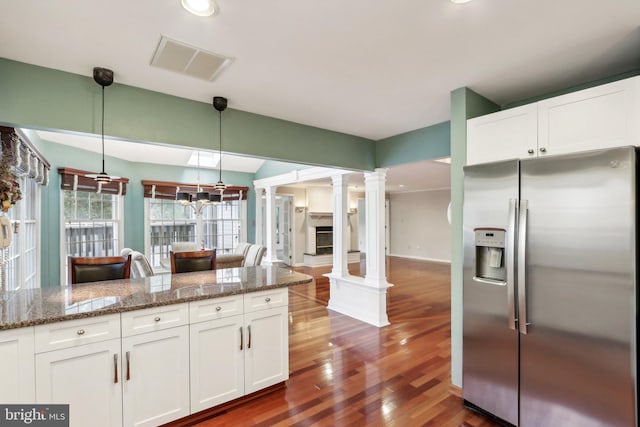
<point x="183" y="197"/>
<point x="201" y="196"/>
<point x="220" y="104"/>
<point x="103" y="77"/>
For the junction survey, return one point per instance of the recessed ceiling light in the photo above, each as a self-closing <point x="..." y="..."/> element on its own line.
<point x="199" y="7"/>
<point x="460" y="1"/>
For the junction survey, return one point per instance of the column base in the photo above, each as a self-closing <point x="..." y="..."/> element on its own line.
<point x="359" y="298"/>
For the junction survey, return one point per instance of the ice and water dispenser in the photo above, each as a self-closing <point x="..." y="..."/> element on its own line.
<point x="490" y="255"/>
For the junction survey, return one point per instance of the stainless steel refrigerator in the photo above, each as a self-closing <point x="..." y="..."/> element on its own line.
<point x="550" y="290"/>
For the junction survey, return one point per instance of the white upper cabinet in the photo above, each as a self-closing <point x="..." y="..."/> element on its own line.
<point x="600" y="117"/>
<point x="507" y="134"/>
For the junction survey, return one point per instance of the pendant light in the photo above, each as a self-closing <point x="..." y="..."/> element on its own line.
<point x="220" y="104"/>
<point x="203" y="197"/>
<point x="103" y="77"/>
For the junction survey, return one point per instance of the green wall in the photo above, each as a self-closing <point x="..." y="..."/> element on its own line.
<point x="427" y="143"/>
<point x="465" y="104"/>
<point x="64" y="156"/>
<point x="42" y="98"/>
<point x="272" y="168"/>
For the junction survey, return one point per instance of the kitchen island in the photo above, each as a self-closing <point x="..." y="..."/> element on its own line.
<point x="147" y="351"/>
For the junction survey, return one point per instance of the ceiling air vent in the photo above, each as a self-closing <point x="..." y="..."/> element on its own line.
<point x="192" y="61"/>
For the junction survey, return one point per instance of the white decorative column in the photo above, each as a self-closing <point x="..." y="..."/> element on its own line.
<point x="365" y="298"/>
<point x="270" y="211"/>
<point x="340" y="226"/>
<point x="259" y="225"/>
<point x="374" y="184"/>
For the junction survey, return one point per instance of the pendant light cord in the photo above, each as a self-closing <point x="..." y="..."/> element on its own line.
<point x="198" y="171"/>
<point x="220" y="160"/>
<point x="103" y="130"/>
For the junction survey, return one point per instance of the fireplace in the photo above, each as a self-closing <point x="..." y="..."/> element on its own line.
<point x="324" y="240"/>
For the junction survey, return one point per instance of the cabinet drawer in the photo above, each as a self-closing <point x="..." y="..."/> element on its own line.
<point x="216" y="308"/>
<point x="254" y="301"/>
<point x="55" y="336"/>
<point x="154" y="319"/>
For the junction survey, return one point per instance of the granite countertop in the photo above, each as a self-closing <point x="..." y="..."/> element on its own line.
<point x="39" y="306"/>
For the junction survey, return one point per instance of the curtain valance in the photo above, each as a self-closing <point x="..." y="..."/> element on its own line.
<point x="23" y="155"/>
<point x="167" y="190"/>
<point x="76" y="180"/>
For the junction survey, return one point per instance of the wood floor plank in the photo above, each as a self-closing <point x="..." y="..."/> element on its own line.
<point x="344" y="372"/>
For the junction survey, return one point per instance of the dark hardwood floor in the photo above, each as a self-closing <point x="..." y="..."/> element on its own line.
<point x="347" y="373"/>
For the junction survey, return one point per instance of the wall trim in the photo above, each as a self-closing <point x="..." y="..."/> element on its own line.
<point x="443" y="261"/>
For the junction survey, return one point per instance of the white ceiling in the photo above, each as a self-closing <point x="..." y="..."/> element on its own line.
<point x="373" y="68"/>
<point x="370" y="68"/>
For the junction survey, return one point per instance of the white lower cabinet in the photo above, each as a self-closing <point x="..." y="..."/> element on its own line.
<point x="87" y="377"/>
<point x="152" y="366"/>
<point x="17" y="367"/>
<point x="217" y="362"/>
<point x="235" y="355"/>
<point x="267" y="348"/>
<point x="155" y="367"/>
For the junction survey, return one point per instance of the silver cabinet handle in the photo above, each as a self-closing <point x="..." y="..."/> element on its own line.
<point x="543" y="150"/>
<point x="511" y="263"/>
<point x="218" y="308"/>
<point x="157" y="319"/>
<point x="128" y="356"/>
<point x="267" y="299"/>
<point x="241" y="339"/>
<point x="115" y="368"/>
<point x="80" y="332"/>
<point x="522" y="273"/>
<point x="249" y="330"/>
<point x="530" y="151"/>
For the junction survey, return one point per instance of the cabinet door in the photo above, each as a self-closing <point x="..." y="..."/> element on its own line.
<point x="600" y="117"/>
<point x="267" y="348"/>
<point x="155" y="367"/>
<point x="508" y="134"/>
<point x="217" y="362"/>
<point x="17" y="367"/>
<point x="86" y="377"/>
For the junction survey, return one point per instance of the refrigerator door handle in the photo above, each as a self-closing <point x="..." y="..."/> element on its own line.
<point x="511" y="263"/>
<point x="522" y="256"/>
<point x="489" y="281"/>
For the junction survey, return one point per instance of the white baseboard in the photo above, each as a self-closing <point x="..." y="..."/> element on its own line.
<point x="444" y="261"/>
<point x="327" y="260"/>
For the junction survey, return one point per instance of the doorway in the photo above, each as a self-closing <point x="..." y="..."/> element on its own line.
<point x="283" y="232"/>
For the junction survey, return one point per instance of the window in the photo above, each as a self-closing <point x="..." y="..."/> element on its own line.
<point x="92" y="216"/>
<point x="19" y="261"/>
<point x="92" y="225"/>
<point x="219" y="225"/>
<point x="223" y="225"/>
<point x="21" y="257"/>
<point x="169" y="222"/>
